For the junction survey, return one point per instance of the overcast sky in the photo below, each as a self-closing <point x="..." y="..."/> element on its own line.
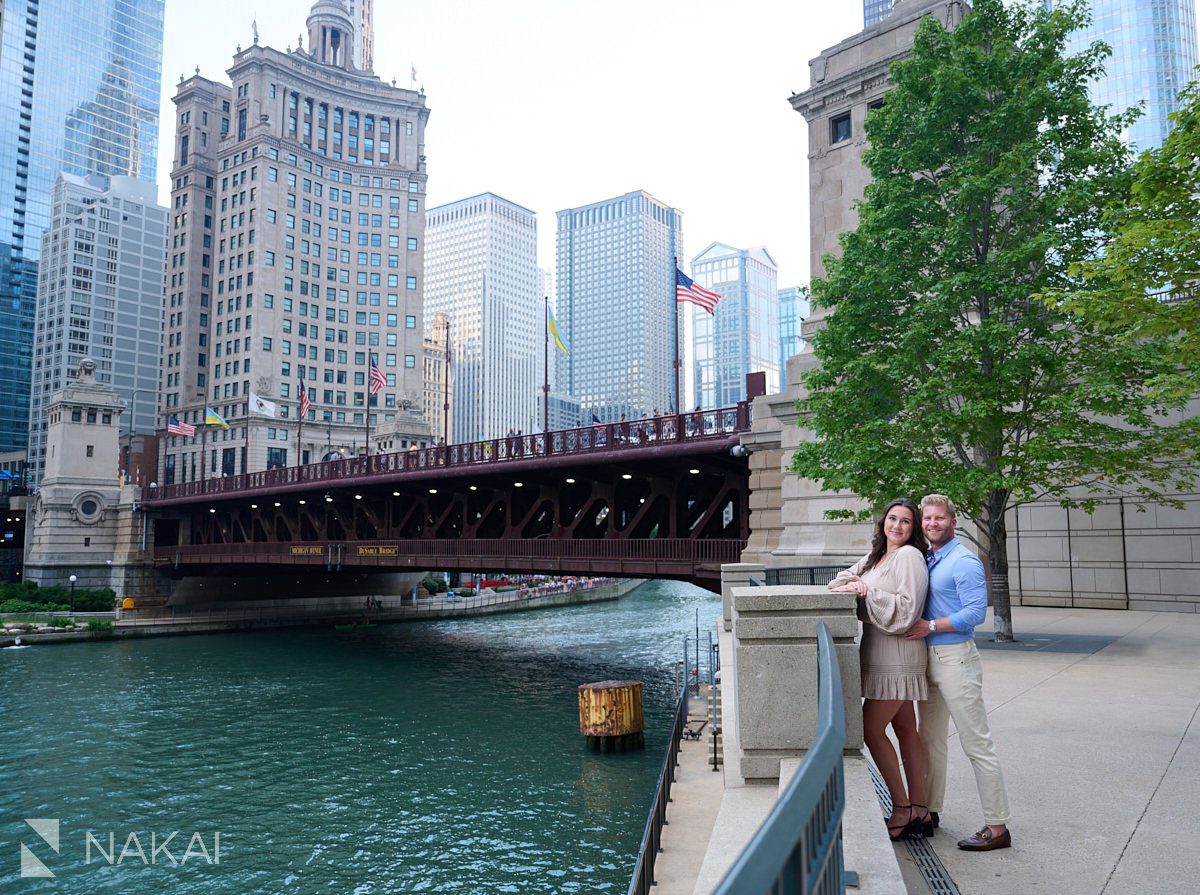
<point x="558" y="103"/>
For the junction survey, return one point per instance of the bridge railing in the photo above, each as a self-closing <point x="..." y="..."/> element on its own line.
<point x="643" y="882"/>
<point x="798" y="849"/>
<point x="640" y="433"/>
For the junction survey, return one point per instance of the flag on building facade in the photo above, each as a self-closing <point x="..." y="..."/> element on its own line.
<point x="378" y="380"/>
<point x="554" y="334"/>
<point x="262" y="406"/>
<point x="304" y="402"/>
<point x="212" y="418"/>
<point x="687" y="290"/>
<point x="174" y="427"/>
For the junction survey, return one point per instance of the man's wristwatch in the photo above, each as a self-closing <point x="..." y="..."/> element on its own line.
<point x="933" y="626"/>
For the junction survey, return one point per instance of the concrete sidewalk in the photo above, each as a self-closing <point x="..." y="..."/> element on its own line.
<point x="1094" y="714"/>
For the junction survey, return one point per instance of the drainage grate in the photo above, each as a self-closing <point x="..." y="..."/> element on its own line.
<point x="919" y="849"/>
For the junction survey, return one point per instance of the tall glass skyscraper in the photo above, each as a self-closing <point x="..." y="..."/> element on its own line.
<point x="1153" y="57"/>
<point x="742" y="335"/>
<point x="616" y="304"/>
<point x="79" y="90"/>
<point x="793" y="311"/>
<point x="481" y="272"/>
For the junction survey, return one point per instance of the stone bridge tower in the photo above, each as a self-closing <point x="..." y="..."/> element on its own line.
<point x="84" y="521"/>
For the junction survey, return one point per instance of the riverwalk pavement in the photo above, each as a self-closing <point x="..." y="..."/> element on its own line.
<point x="1094" y="713"/>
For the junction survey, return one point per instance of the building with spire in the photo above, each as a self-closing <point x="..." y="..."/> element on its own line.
<point x="295" y="253"/>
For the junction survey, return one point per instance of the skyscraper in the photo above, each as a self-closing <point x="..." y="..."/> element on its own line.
<point x="362" y="12"/>
<point x="616" y="304"/>
<point x="482" y="273"/>
<point x="742" y="334"/>
<point x="1153" y="57"/>
<point x="79" y="89"/>
<point x="100" y="292"/>
<point x="793" y="311"/>
<point x="875" y="11"/>
<point x="297" y="231"/>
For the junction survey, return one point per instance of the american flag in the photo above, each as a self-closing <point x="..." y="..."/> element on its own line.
<point x="687" y="290"/>
<point x="378" y="380"/>
<point x="304" y="402"/>
<point x="174" y="427"/>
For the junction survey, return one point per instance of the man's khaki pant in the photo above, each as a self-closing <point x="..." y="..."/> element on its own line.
<point x="956" y="691"/>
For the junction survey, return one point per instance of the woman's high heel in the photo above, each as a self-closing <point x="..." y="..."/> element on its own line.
<point x="911" y="827"/>
<point x="926" y="821"/>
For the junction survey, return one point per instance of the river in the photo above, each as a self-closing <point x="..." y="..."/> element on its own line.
<point x="420" y="757"/>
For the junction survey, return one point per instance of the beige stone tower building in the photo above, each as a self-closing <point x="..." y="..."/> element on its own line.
<point x="846" y="81"/>
<point x="295" y="252"/>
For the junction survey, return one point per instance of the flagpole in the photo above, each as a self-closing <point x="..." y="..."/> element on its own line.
<point x="368" y="414"/>
<point x="446" y="392"/>
<point x="546" y="368"/>
<point x="675" y="325"/>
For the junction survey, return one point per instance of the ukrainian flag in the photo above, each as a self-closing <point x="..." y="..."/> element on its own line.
<point x="554" y="332"/>
<point x="212" y="418"/>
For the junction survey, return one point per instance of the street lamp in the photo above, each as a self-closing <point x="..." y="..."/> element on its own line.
<point x="72" y="579"/>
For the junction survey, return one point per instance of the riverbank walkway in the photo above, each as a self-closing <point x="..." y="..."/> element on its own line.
<point x="1095" y="717"/>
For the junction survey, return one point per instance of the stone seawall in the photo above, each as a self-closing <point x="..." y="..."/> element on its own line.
<point x="261" y="617"/>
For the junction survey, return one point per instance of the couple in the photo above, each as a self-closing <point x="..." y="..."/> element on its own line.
<point x="915" y="648"/>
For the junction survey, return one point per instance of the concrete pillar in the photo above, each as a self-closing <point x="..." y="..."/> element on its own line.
<point x="736" y="574"/>
<point x="775" y="668"/>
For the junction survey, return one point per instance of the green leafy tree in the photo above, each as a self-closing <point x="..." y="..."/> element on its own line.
<point x="941" y="368"/>
<point x="1155" y="250"/>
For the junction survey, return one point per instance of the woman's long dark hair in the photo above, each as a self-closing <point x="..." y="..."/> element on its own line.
<point x="879" y="539"/>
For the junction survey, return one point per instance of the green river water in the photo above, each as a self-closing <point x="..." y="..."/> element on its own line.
<point x="425" y="757"/>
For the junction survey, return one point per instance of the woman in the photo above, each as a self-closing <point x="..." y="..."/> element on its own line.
<point x="891" y="583"/>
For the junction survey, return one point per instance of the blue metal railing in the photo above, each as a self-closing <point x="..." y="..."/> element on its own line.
<point x="643" y="870"/>
<point x="798" y="849"/>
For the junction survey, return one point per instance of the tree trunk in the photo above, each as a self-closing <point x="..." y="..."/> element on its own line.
<point x="997" y="533"/>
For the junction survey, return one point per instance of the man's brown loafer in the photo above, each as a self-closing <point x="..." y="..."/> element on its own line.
<point x="985" y="841"/>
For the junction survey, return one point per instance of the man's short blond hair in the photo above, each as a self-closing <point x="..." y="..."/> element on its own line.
<point x="939" y="500"/>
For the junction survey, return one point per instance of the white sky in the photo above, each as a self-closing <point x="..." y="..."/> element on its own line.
<point x="557" y="103"/>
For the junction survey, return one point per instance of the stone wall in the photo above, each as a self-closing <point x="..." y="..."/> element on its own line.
<point x="1114" y="558"/>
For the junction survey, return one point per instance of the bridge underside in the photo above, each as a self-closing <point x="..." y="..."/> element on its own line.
<point x="641" y="515"/>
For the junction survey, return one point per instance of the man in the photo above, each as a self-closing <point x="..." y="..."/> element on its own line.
<point x="957" y="603"/>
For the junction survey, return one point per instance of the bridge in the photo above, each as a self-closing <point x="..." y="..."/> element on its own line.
<point x="665" y="498"/>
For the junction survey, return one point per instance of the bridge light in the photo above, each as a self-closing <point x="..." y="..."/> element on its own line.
<point x="626" y="476"/>
<point x="694" y="471"/>
<point x="358" y="497"/>
<point x="518" y="484"/>
<point x="570" y="481"/>
<point x="328" y="497"/>
<point x="738" y="450"/>
<point x="212" y="509"/>
<point x="254" y="506"/>
<point x="278" y="504"/>
<point x="433" y="490"/>
<point x="472" y="488"/>
<point x="302" y="502"/>
<point x="395" y="494"/>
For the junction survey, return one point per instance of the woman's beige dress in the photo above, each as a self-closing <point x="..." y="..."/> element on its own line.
<point x="892" y="667"/>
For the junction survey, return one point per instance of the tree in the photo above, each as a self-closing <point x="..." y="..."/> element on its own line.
<point x="941" y="368"/>
<point x="1146" y="284"/>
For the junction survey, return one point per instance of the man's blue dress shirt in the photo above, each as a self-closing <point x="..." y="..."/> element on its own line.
<point x="957" y="590"/>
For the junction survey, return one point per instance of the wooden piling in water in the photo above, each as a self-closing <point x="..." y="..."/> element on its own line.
<point x="610" y="716"/>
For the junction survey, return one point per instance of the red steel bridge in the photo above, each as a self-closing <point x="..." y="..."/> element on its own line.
<point x="662" y="498"/>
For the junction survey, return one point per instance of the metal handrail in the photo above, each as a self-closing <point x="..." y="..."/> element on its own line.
<point x="703" y="425"/>
<point x="643" y="870"/>
<point x="798" y="849"/>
